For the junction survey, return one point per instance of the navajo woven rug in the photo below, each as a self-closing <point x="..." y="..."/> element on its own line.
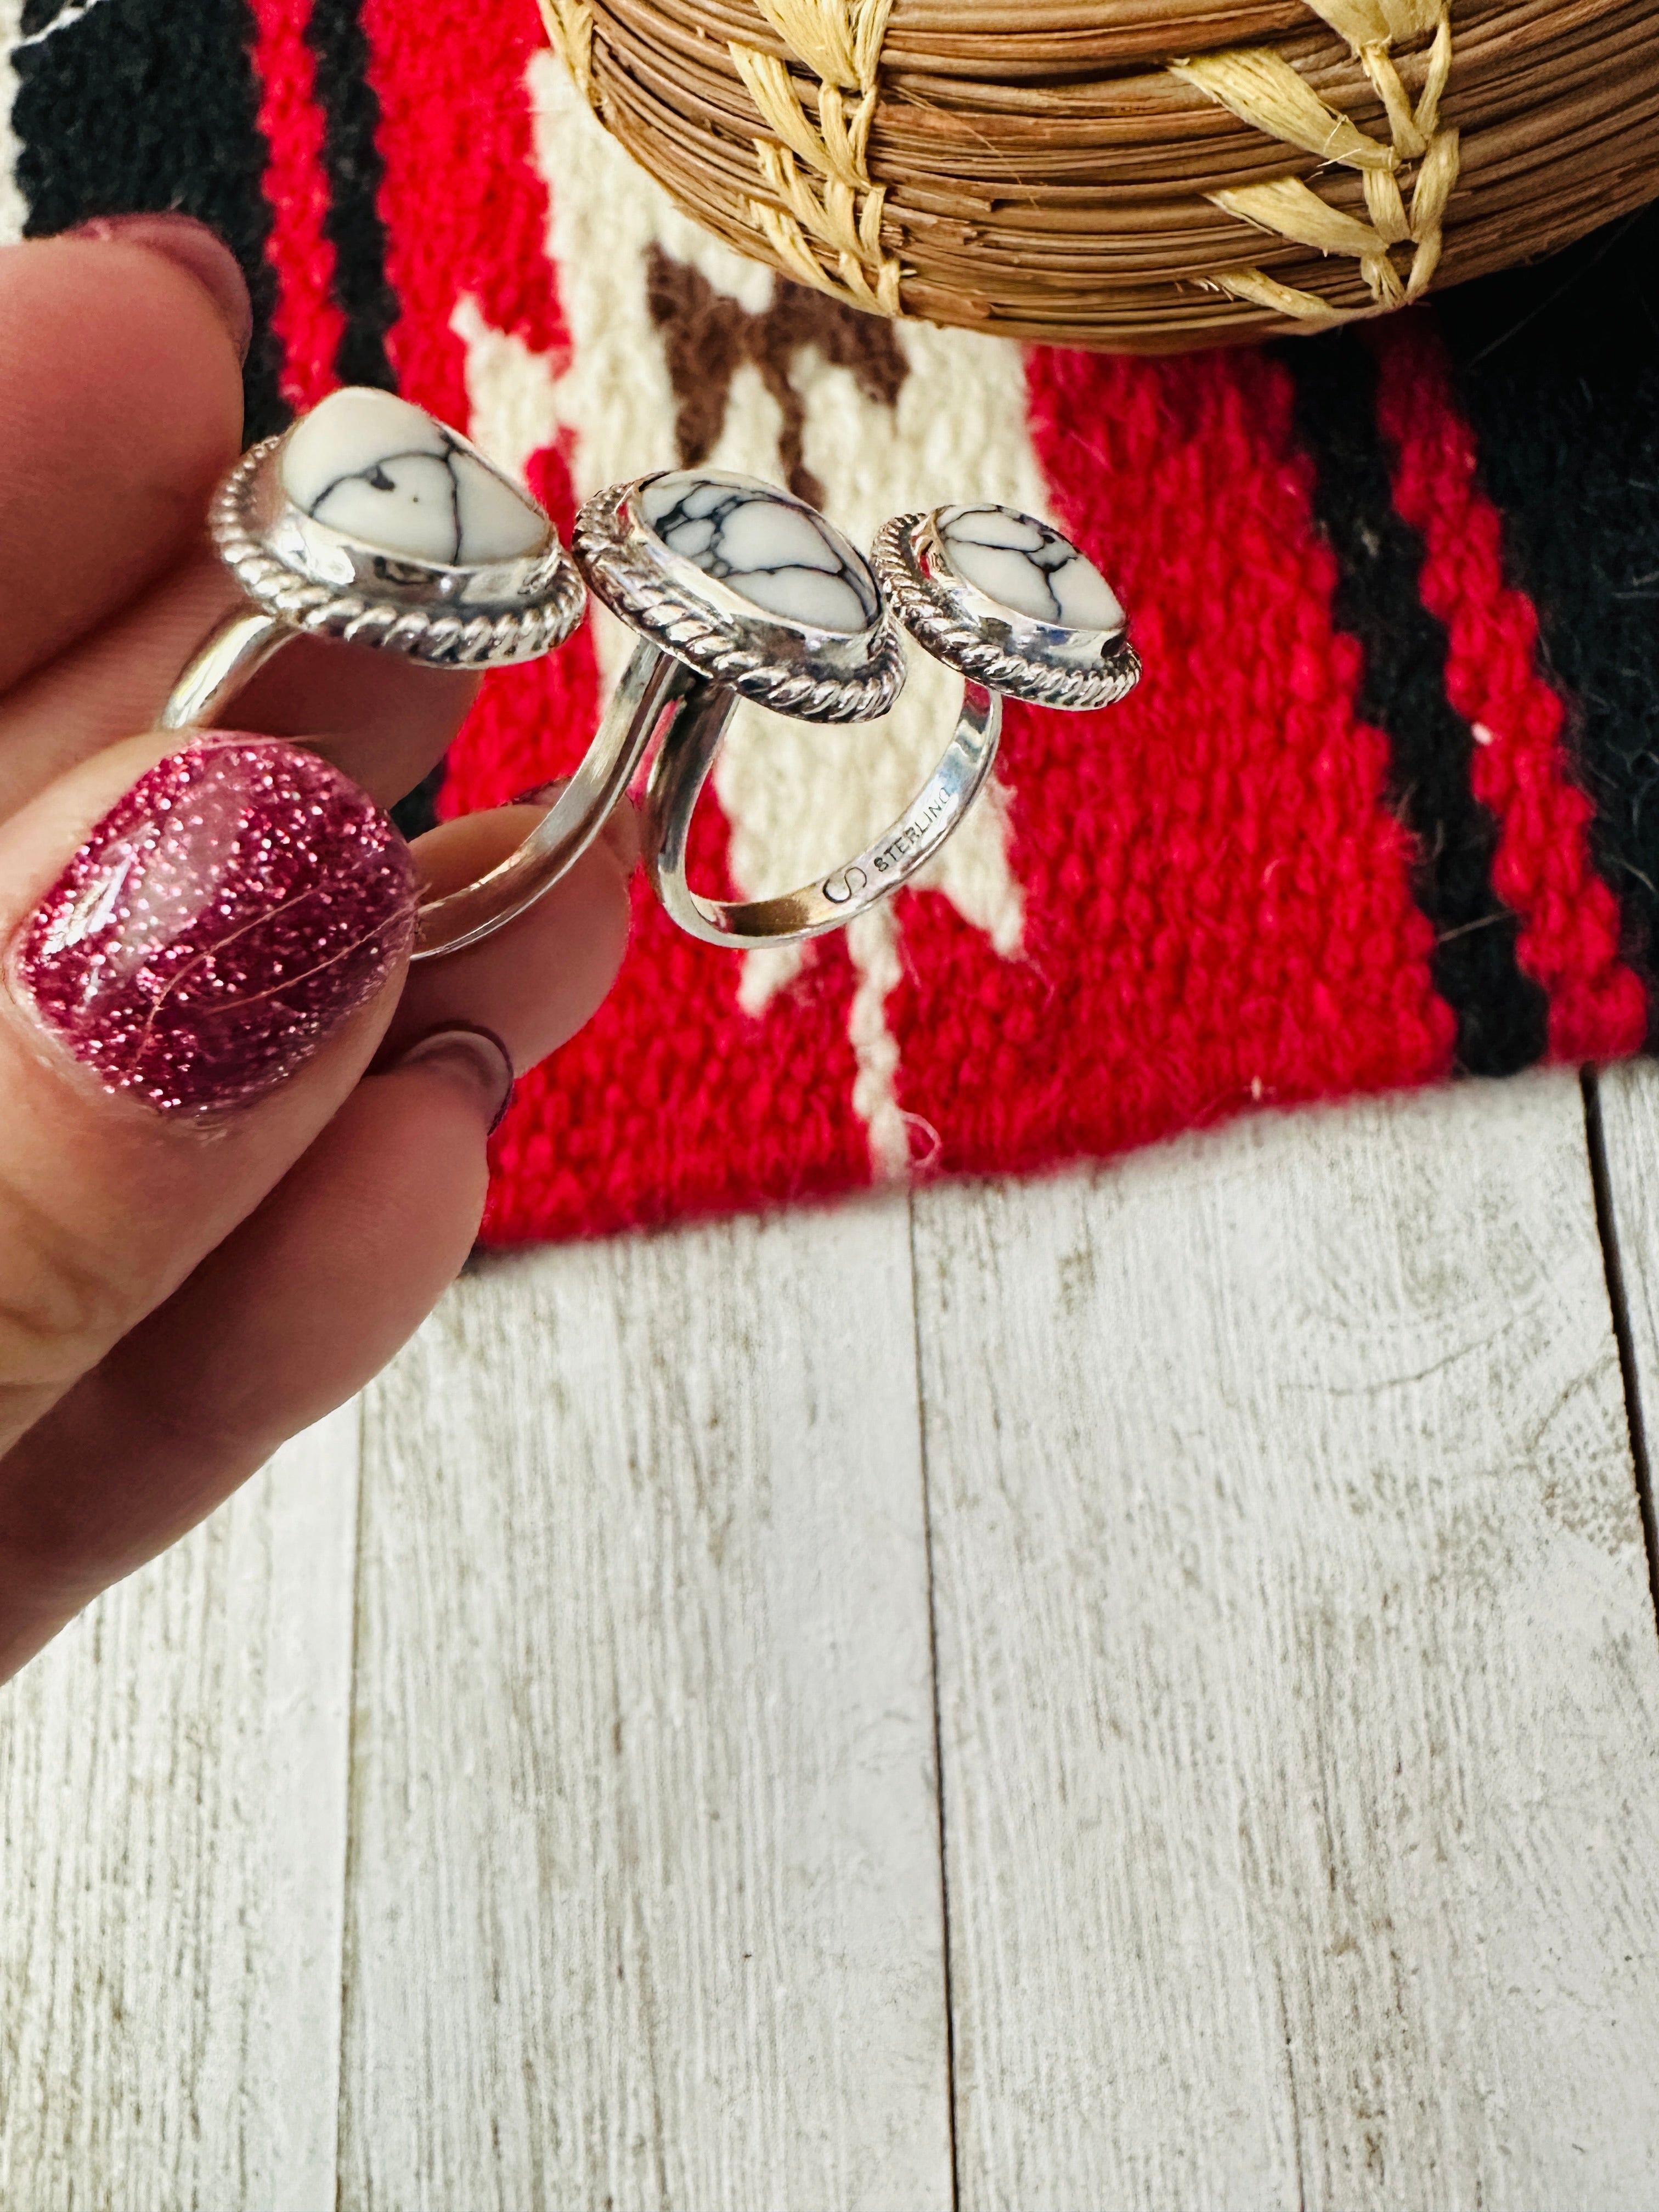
<point x="1384" y="809"/>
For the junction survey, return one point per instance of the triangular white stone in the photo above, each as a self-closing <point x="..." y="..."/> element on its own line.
<point x="381" y="470"/>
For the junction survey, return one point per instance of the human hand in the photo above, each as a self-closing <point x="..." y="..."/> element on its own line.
<point x="242" y="1147"/>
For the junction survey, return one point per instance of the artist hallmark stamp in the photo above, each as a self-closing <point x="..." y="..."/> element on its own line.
<point x="912" y="834"/>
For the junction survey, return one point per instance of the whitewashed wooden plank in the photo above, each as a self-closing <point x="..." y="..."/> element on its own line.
<point x="1627" y="1099"/>
<point x="1298" y="1677"/>
<point x="173" y="1830"/>
<point x="644" y="1905"/>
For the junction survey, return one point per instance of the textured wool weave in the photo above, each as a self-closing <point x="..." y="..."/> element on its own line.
<point x="1384" y="809"/>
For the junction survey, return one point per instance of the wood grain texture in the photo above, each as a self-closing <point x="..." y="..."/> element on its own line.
<point x="644" y="1903"/>
<point x="1299" y="1681"/>
<point x="1297" y="1673"/>
<point x="1629" y="1096"/>
<point x="172" y="1795"/>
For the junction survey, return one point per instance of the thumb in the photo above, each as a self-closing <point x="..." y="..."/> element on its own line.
<point x="190" y="996"/>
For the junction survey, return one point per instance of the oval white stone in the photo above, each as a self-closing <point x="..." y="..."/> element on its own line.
<point x="377" y="469"/>
<point x="1027" y="567"/>
<point x="777" y="552"/>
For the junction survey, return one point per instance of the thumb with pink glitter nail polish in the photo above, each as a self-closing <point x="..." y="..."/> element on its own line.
<point x="216" y="926"/>
<point x="244" y="1146"/>
<point x="192" y="989"/>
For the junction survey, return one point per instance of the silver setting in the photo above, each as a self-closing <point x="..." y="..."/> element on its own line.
<point x="815" y="674"/>
<point x="303" y="576"/>
<point x="1039" y="662"/>
<point x="308" y="576"/>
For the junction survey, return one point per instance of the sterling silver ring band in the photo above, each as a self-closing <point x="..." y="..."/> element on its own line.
<point x="370" y="522"/>
<point x="682" y="768"/>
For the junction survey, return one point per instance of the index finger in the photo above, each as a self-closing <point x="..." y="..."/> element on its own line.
<point x="188" y="1003"/>
<point x="120" y="405"/>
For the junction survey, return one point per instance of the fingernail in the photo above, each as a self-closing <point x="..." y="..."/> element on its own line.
<point x="219" y="924"/>
<point x="474" y="1056"/>
<point x="193" y="247"/>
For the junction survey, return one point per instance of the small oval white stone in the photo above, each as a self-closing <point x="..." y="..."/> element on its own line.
<point x="377" y="469"/>
<point x="775" y="551"/>
<point x="1027" y="567"/>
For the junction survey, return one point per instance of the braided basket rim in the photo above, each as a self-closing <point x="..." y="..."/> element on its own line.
<point x="834" y="160"/>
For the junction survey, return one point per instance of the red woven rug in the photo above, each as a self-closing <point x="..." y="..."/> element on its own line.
<point x="1360" y="826"/>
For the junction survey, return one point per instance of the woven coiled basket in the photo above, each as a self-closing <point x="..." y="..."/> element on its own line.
<point x="1144" y="175"/>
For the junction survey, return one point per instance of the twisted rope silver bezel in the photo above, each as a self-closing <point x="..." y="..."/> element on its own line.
<point x="932" y="610"/>
<point x="718" y="644"/>
<point x="445" y="636"/>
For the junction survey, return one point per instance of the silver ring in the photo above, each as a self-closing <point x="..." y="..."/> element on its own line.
<point x="1018" y="612"/>
<point x="369" y="521"/>
<point x="738" y="591"/>
<point x="728" y="577"/>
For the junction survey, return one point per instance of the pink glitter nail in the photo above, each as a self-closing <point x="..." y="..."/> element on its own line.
<point x="229" y="913"/>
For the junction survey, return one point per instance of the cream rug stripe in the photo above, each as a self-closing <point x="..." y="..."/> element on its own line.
<point x="797" y="797"/>
<point x="14" y="208"/>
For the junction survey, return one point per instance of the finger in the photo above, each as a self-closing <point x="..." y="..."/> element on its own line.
<point x="305" y="1300"/>
<point x="110" y="682"/>
<point x="295" y="1312"/>
<point x="120" y="404"/>
<point x="536" y="980"/>
<point x="383" y="720"/>
<point x="189" y="1001"/>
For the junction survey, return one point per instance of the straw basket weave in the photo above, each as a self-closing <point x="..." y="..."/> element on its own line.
<point x="1144" y="175"/>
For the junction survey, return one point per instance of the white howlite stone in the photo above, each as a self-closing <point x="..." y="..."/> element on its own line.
<point x="1028" y="567"/>
<point x="377" y="469"/>
<point x="776" y="552"/>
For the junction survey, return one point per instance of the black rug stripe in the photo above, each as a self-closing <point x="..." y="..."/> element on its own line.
<point x="146" y="104"/>
<point x="417" y="812"/>
<point x="154" y="104"/>
<point x="351" y="154"/>
<point x="351" y="121"/>
<point x="1558" y="370"/>
<point x="1502" y="1014"/>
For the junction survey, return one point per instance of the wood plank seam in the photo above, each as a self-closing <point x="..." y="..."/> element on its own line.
<point x="1294" y="1634"/>
<point x="1607" y="1228"/>
<point x="644" y="1891"/>
<point x="939" y="1731"/>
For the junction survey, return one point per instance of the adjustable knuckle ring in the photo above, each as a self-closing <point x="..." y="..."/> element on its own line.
<point x="371" y="522"/>
<point x="1018" y="612"/>
<point x="737" y="589"/>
